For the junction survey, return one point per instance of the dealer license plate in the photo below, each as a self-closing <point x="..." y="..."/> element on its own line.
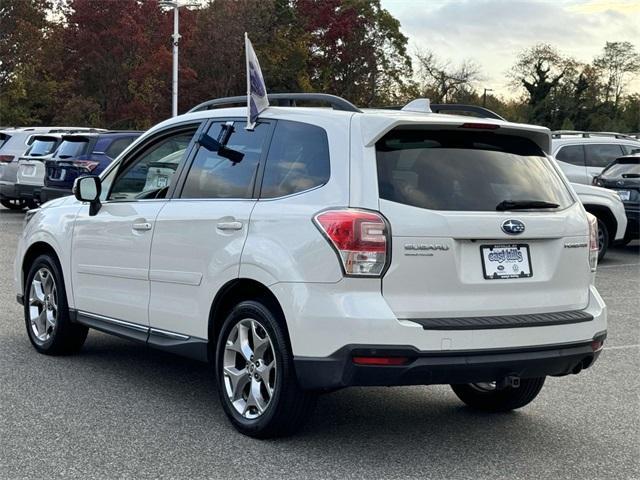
<point x="506" y="261"/>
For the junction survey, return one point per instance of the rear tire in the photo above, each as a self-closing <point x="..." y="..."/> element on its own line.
<point x="603" y="239"/>
<point x="483" y="397"/>
<point x="256" y="380"/>
<point x="14" y="204"/>
<point x="46" y="312"/>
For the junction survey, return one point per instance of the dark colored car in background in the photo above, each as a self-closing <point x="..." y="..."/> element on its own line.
<point x="82" y="154"/>
<point x="623" y="176"/>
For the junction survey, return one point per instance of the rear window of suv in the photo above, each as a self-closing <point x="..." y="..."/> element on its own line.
<point x="72" y="148"/>
<point x="41" y="147"/>
<point x="464" y="171"/>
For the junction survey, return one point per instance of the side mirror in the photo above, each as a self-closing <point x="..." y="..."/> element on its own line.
<point x="88" y="189"/>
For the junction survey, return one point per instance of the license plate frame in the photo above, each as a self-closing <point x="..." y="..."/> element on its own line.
<point x="512" y="267"/>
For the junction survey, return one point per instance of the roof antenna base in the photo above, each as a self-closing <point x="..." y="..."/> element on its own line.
<point x="420" y="105"/>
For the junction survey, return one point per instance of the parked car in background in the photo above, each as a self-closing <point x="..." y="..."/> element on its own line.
<point x="82" y="154"/>
<point x="623" y="177"/>
<point x="583" y="155"/>
<point x="30" y="176"/>
<point x="14" y="143"/>
<point x="607" y="207"/>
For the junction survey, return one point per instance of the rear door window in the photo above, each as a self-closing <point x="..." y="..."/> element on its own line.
<point x="298" y="160"/>
<point x="601" y="155"/>
<point x="573" y="154"/>
<point x="229" y="172"/>
<point x="464" y="171"/>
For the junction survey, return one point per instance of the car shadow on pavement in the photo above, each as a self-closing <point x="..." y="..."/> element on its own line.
<point x="431" y="419"/>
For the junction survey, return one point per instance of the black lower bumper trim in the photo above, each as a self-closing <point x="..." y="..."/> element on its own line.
<point x="428" y="368"/>
<point x="504" y="321"/>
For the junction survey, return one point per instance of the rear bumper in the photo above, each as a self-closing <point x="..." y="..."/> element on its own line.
<point x="633" y="221"/>
<point x="427" y="368"/>
<point x="51" y="193"/>
<point x="8" y="191"/>
<point x="28" y="192"/>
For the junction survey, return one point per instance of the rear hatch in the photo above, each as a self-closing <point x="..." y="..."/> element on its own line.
<point x="482" y="224"/>
<point x="69" y="162"/>
<point x="623" y="176"/>
<point x="31" y="169"/>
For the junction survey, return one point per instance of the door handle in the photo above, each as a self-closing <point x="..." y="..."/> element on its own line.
<point x="142" y="226"/>
<point x="229" y="226"/>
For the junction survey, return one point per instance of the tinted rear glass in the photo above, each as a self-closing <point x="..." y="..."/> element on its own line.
<point x="464" y="171"/>
<point x="42" y="147"/>
<point x="72" y="148"/>
<point x="623" y="169"/>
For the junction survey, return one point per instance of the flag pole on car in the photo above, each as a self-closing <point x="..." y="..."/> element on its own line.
<point x="257" y="100"/>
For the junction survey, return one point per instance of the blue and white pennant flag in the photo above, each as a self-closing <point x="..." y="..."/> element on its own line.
<point x="257" y="100"/>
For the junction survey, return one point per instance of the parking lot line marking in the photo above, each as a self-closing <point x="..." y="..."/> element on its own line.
<point x="620" y="265"/>
<point x="622" y="347"/>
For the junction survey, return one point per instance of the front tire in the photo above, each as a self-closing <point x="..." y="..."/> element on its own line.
<point x="46" y="312"/>
<point x="255" y="376"/>
<point x="488" y="398"/>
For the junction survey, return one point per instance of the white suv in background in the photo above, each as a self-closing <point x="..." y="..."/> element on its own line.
<point x="583" y="155"/>
<point x="324" y="249"/>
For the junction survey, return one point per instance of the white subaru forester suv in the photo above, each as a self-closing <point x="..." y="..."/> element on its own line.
<point x="326" y="248"/>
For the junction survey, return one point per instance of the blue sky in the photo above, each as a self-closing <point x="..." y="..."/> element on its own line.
<point x="492" y="32"/>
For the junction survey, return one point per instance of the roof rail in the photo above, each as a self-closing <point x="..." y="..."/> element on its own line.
<point x="282" y="99"/>
<point x="559" y="133"/>
<point x="456" y="107"/>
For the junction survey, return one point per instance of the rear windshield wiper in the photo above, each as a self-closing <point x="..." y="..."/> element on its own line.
<point x="524" y="204"/>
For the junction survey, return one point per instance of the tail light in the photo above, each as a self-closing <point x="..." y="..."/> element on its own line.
<point x="86" y="164"/>
<point x="593" y="242"/>
<point x="360" y="239"/>
<point x="6" y="158"/>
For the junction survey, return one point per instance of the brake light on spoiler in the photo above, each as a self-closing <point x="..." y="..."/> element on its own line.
<point x="480" y="126"/>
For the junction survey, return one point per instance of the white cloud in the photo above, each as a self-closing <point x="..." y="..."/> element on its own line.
<point x="492" y="32"/>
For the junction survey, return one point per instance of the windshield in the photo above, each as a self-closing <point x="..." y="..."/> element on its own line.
<point x="41" y="147"/>
<point x="623" y="169"/>
<point x="466" y="171"/>
<point x="71" y="148"/>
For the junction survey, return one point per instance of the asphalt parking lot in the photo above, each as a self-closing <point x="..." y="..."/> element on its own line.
<point x="117" y="410"/>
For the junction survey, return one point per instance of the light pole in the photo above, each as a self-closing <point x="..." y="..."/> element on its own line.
<point x="176" y="39"/>
<point x="484" y="96"/>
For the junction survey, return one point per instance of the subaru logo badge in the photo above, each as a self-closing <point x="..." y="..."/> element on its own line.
<point x="512" y="227"/>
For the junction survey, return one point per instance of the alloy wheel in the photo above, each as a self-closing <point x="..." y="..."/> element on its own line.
<point x="249" y="368"/>
<point x="43" y="304"/>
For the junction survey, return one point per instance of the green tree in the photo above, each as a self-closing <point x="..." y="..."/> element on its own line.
<point x="618" y="63"/>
